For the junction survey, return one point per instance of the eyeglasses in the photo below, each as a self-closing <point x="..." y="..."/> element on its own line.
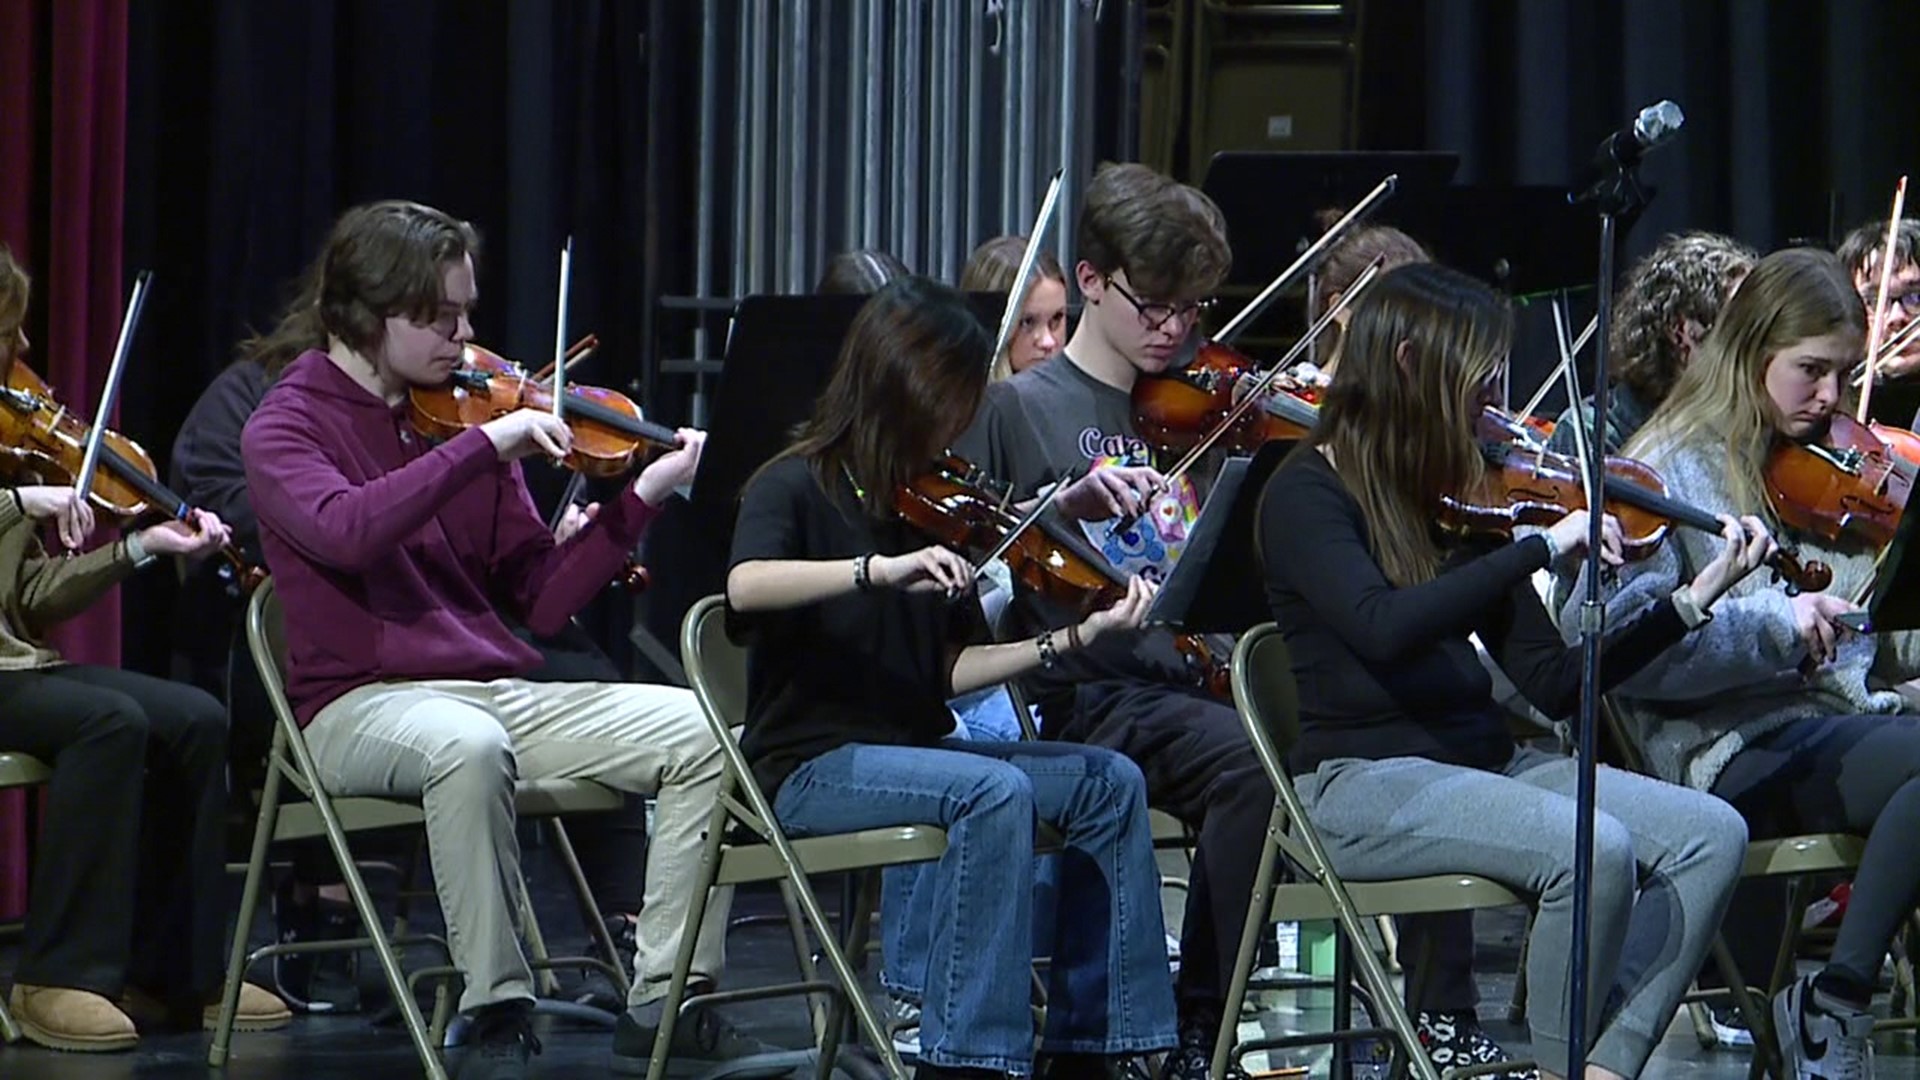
<point x="1908" y="299"/>
<point x="1153" y="316"/>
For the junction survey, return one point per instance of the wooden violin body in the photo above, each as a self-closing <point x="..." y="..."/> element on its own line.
<point x="1175" y="411"/>
<point x="1848" y="486"/>
<point x="610" y="434"/>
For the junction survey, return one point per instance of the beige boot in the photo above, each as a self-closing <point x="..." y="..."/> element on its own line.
<point x="260" y="1009"/>
<point x="62" y="1018"/>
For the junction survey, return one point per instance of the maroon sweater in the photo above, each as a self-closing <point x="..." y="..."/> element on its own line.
<point x="392" y="555"/>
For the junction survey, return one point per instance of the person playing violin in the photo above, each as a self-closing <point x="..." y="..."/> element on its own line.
<point x="855" y="642"/>
<point x="208" y="470"/>
<point x="134" y="822"/>
<point x="1043" y="311"/>
<point x="1339" y="268"/>
<point x="1896" y="397"/>
<point x="1150" y="250"/>
<point x="1730" y="711"/>
<point x="1404" y="762"/>
<point x="1667" y="304"/>
<point x="394" y="558"/>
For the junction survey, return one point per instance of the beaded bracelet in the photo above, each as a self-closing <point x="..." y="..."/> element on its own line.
<point x="862" y="581"/>
<point x="1048" y="658"/>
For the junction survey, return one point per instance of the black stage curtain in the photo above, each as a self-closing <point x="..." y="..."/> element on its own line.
<point x="251" y="126"/>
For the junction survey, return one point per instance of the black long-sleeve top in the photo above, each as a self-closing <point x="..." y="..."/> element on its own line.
<point x="1385" y="671"/>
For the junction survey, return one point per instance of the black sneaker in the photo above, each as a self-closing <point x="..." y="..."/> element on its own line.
<point x="1193" y="1058"/>
<point x="1729" y="1027"/>
<point x="704" y="1044"/>
<point x="499" y="1042"/>
<point x="625" y="932"/>
<point x="315" y="982"/>
<point x="1455" y="1040"/>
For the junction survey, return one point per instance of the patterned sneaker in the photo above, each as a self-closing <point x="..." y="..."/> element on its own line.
<point x="1729" y="1028"/>
<point x="1819" y="1038"/>
<point x="1455" y="1040"/>
<point x="903" y="1020"/>
<point x="1193" y="1058"/>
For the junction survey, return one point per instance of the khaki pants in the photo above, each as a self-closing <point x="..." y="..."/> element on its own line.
<point x="458" y="746"/>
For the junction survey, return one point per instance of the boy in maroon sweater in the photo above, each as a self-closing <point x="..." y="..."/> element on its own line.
<point x="393" y="556"/>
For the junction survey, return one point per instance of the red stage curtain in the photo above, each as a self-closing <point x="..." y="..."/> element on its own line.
<point x="63" y="108"/>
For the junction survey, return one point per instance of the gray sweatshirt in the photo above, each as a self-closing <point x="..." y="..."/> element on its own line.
<point x="1737" y="677"/>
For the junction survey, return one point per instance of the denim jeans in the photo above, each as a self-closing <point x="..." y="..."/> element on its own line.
<point x="1108" y="988"/>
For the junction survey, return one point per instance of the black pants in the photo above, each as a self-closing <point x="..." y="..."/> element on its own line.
<point x="134" y="826"/>
<point x="612" y="847"/>
<point x="1857" y="774"/>
<point x="1201" y="769"/>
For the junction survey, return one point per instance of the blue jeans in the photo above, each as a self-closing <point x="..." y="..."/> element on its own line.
<point x="1108" y="989"/>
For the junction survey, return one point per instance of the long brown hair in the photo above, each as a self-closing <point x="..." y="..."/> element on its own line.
<point x="1789" y="296"/>
<point x="15" y="289"/>
<point x="910" y="376"/>
<point x="1398" y="419"/>
<point x="380" y="260"/>
<point x="1346" y="260"/>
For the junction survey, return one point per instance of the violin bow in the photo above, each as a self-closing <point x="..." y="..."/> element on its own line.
<point x="1877" y="330"/>
<point x="579" y="351"/>
<point x="1259" y="389"/>
<point x="1567" y="353"/>
<point x="574" y="485"/>
<point x="1309" y="258"/>
<point x="560" y="332"/>
<point x="1029" y="259"/>
<point x="1026" y="522"/>
<point x="83" y="484"/>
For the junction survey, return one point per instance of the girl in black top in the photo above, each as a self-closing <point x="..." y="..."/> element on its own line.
<point x="854" y="647"/>
<point x="1405" y="764"/>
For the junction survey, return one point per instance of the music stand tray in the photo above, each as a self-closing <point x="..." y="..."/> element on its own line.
<point x="1896" y="585"/>
<point x="1270" y="198"/>
<point x="1217" y="586"/>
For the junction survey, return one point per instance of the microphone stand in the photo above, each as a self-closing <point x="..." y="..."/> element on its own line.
<point x="1617" y="192"/>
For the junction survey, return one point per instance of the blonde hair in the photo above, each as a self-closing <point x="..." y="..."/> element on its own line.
<point x="992" y="268"/>
<point x="1721" y="394"/>
<point x="1400" y="429"/>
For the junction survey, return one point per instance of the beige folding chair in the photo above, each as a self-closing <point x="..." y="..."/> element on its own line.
<point x="1269" y="706"/>
<point x="17" y="771"/>
<point x="325" y="815"/>
<point x="716" y="668"/>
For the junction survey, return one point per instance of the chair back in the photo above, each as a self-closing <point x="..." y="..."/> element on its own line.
<point x="267" y="644"/>
<point x="717" y="672"/>
<point x="1268" y="699"/>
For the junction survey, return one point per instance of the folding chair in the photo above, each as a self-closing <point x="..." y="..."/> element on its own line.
<point x="18" y="770"/>
<point x="1269" y="706"/>
<point x="324" y="815"/>
<point x="716" y="667"/>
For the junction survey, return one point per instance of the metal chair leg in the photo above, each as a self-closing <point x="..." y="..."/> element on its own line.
<point x="264" y="823"/>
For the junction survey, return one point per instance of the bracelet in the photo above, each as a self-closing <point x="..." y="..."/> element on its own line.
<point x="1073" y="636"/>
<point x="861" y="580"/>
<point x="1048" y="658"/>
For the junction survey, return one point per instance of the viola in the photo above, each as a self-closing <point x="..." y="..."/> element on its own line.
<point x="1846" y="486"/>
<point x="1526" y="486"/>
<point x="610" y="434"/>
<point x="955" y="504"/>
<point x="1176" y="410"/>
<point x="42" y="442"/>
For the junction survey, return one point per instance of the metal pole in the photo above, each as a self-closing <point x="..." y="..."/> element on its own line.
<point x="703" y="198"/>
<point x="971" y="169"/>
<point x="897" y="149"/>
<point x="1009" y="122"/>
<point x="737" y="182"/>
<point x="780" y="177"/>
<point x="1029" y="115"/>
<point x="939" y="59"/>
<point x="951" y="162"/>
<point x="760" y="133"/>
<point x="909" y="163"/>
<point x="1069" y="113"/>
<point x="800" y="152"/>
<point x="858" y="60"/>
<point x="870" y="188"/>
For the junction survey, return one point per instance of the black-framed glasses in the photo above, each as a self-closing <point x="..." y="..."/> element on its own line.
<point x="1156" y="315"/>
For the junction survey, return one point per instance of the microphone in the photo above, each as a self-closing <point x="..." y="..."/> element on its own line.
<point x="1617" y="155"/>
<point x="1654" y="125"/>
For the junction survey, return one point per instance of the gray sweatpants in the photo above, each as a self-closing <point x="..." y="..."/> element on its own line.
<point x="1665" y="860"/>
<point x="458" y="746"/>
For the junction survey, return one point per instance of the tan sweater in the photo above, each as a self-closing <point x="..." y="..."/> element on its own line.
<point x="39" y="591"/>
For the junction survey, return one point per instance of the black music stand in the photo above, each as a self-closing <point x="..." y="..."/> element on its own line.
<point x="1218" y="587"/>
<point x="780" y="355"/>
<point x="1896" y="586"/>
<point x="1525" y="240"/>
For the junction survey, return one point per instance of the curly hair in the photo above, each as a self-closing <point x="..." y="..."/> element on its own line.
<point x="1686" y="276"/>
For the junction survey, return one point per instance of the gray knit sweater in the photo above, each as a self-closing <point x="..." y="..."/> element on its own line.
<point x="1735" y="678"/>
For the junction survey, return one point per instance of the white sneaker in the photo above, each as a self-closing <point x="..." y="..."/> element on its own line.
<point x="904" y="1021"/>
<point x="1818" y="1044"/>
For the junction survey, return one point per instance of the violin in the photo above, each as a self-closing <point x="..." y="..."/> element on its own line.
<point x="957" y="505"/>
<point x="1849" y="485"/>
<point x="1526" y="486"/>
<point x="1176" y="410"/>
<point x="42" y="442"/>
<point x="609" y="431"/>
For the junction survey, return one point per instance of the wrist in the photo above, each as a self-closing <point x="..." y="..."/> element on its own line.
<point x="1079" y="634"/>
<point x="1692" y="606"/>
<point x="863" y="572"/>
